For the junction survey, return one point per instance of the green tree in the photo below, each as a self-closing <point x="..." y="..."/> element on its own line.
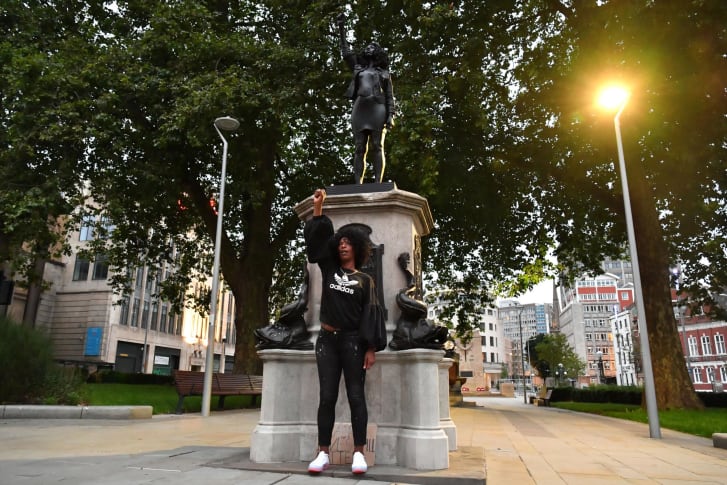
<point x="44" y="107"/>
<point x="548" y="351"/>
<point x="672" y="56"/>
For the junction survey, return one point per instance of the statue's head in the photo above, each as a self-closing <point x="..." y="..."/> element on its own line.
<point x="374" y="51"/>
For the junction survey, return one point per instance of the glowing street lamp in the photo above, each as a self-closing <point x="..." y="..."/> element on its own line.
<point x="227" y="124"/>
<point x="615" y="98"/>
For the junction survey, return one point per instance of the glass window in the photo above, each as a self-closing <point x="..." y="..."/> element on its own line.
<point x="100" y="267"/>
<point x="719" y="344"/>
<point x="139" y="277"/>
<point x="697" y="376"/>
<point x="80" y="269"/>
<point x="124" y="312"/>
<point x="86" y="231"/>
<point x="145" y="315"/>
<point x="154" y="314"/>
<point x="706" y="345"/>
<point x="163" y="319"/>
<point x="710" y="374"/>
<point x="106" y="228"/>
<point x="692" y="346"/>
<point x="723" y="373"/>
<point x="135" y="313"/>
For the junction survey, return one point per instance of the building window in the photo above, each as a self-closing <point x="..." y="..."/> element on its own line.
<point x="154" y="314"/>
<point x="100" y="267"/>
<point x="124" y="312"/>
<point x="145" y="315"/>
<point x="163" y="319"/>
<point x="719" y="344"/>
<point x="706" y="346"/>
<point x="692" y="346"/>
<point x="106" y="228"/>
<point x="86" y="232"/>
<point x="723" y="373"/>
<point x="710" y="374"/>
<point x="696" y="375"/>
<point x="135" y="313"/>
<point x="80" y="269"/>
<point x="492" y="341"/>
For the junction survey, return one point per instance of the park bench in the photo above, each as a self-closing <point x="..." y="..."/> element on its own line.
<point x="191" y="383"/>
<point x="545" y="400"/>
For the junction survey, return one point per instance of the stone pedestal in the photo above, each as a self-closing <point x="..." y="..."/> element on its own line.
<point x="406" y="391"/>
<point x="404" y="398"/>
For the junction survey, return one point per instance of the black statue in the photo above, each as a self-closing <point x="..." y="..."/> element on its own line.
<point x="373" y="104"/>
<point x="290" y="330"/>
<point x="413" y="330"/>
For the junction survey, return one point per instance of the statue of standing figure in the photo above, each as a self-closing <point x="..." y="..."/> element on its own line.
<point x="373" y="104"/>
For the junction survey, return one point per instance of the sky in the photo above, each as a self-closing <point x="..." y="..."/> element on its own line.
<point x="541" y="293"/>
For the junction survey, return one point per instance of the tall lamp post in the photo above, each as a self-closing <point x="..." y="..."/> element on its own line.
<point x="681" y="308"/>
<point x="599" y="364"/>
<point x="227" y="124"/>
<point x="522" y="353"/>
<point x="616" y="98"/>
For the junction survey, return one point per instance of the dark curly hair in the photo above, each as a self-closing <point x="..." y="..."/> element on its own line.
<point x="359" y="239"/>
<point x="381" y="57"/>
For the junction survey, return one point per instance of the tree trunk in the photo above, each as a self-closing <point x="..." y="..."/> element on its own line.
<point x="674" y="389"/>
<point x="35" y="290"/>
<point x="251" y="283"/>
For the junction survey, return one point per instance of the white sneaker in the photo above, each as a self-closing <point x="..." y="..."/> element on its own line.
<point x="320" y="463"/>
<point x="359" y="463"/>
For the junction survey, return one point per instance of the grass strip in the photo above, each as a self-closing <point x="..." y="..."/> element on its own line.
<point x="162" y="399"/>
<point x="696" y="422"/>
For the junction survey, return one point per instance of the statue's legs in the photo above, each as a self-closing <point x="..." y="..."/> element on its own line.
<point x="359" y="156"/>
<point x="376" y="147"/>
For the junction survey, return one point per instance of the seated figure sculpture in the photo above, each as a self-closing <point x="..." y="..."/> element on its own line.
<point x="413" y="330"/>
<point x="290" y="330"/>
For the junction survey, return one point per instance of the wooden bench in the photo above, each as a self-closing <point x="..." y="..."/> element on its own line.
<point x="545" y="400"/>
<point x="191" y="383"/>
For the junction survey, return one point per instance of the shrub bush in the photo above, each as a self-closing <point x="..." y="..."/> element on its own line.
<point x="64" y="385"/>
<point x="615" y="394"/>
<point x="28" y="373"/>
<point x="25" y="359"/>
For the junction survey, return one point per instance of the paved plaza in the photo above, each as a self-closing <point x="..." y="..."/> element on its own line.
<point x="500" y="440"/>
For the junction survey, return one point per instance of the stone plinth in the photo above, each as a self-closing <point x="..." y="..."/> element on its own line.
<point x="406" y="391"/>
<point x="403" y="394"/>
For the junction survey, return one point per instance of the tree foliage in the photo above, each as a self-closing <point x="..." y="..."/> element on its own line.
<point x="43" y="113"/>
<point x="552" y="356"/>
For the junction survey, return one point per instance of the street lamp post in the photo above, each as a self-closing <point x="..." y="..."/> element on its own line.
<point x="681" y="308"/>
<point x="522" y="354"/>
<point x="228" y="124"/>
<point x="618" y="98"/>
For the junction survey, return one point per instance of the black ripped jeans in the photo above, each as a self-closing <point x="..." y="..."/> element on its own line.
<point x="338" y="352"/>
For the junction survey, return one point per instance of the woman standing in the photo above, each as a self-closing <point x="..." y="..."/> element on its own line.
<point x="347" y="315"/>
<point x="373" y="104"/>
